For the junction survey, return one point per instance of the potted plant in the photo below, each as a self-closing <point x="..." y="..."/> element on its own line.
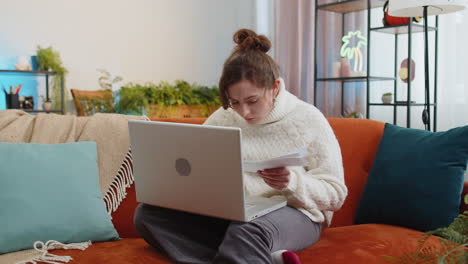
<point x="49" y="60"/>
<point x="166" y="100"/>
<point x="46" y="103"/>
<point x="387" y="98"/>
<point x="106" y="81"/>
<point x="133" y="99"/>
<point x="355" y="115"/>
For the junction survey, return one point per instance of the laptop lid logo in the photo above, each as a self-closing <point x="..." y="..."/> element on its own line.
<point x="182" y="167"/>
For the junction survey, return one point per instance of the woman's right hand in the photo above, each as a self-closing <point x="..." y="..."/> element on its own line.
<point x="276" y="178"/>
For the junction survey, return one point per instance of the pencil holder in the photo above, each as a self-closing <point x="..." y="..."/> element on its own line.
<point x="12" y="101"/>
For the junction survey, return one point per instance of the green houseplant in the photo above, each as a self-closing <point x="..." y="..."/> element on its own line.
<point x="387" y="98"/>
<point x="98" y="105"/>
<point x="167" y="100"/>
<point x="355" y="115"/>
<point x="106" y="81"/>
<point x="49" y="60"/>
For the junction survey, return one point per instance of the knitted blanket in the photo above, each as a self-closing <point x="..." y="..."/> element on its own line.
<point x="109" y="131"/>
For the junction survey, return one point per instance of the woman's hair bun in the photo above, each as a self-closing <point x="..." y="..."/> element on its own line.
<point x="248" y="39"/>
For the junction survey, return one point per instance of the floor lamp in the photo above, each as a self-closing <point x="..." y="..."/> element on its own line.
<point x="424" y="8"/>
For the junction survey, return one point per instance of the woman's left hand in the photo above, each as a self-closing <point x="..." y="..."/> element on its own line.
<point x="276" y="178"/>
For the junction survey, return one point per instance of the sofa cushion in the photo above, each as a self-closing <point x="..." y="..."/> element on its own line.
<point x="350" y="244"/>
<point x="416" y="179"/>
<point x="125" y="251"/>
<point x="364" y="244"/>
<point x="50" y="192"/>
<point x="123" y="217"/>
<point x="358" y="139"/>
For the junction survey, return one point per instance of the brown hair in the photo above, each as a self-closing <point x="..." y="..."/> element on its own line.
<point x="248" y="61"/>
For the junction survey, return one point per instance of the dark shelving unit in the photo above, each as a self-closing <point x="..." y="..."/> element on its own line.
<point x="350" y="6"/>
<point x="46" y="74"/>
<point x="355" y="79"/>
<point x="402" y="29"/>
<point x="396" y="104"/>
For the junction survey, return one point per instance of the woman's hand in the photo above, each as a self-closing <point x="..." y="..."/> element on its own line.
<point x="276" y="178"/>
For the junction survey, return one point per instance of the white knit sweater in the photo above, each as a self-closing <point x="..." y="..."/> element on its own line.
<point x="316" y="190"/>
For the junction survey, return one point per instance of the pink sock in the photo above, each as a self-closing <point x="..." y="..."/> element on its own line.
<point x="285" y="257"/>
<point x="290" y="257"/>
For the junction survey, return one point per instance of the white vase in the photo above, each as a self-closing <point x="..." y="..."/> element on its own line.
<point x="387" y="99"/>
<point x="47" y="106"/>
<point x="345" y="67"/>
<point x="336" y="69"/>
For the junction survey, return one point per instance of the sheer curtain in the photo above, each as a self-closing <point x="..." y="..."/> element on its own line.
<point x="453" y="71"/>
<point x="294" y="45"/>
<point x="294" y="52"/>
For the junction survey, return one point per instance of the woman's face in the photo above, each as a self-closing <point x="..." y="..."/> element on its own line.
<point x="251" y="102"/>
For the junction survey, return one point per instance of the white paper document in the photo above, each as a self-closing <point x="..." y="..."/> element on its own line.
<point x="295" y="158"/>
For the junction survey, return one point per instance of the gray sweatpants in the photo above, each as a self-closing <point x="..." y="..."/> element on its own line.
<point x="192" y="238"/>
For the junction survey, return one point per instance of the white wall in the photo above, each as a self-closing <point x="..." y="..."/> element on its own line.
<point x="141" y="40"/>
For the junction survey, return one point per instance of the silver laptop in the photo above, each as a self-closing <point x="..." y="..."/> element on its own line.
<point x="193" y="168"/>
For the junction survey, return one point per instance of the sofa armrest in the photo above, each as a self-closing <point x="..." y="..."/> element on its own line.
<point x="123" y="217"/>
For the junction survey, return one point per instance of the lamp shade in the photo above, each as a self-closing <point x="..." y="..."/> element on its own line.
<point x="413" y="8"/>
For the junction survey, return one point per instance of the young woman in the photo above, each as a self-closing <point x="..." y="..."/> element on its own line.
<point x="273" y="122"/>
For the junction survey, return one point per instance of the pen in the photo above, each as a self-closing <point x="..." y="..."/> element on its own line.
<point x="18" y="88"/>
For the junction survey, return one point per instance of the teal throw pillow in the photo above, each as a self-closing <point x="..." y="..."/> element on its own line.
<point x="50" y="192"/>
<point x="416" y="179"/>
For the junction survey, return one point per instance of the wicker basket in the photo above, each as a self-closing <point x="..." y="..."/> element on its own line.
<point x="180" y="111"/>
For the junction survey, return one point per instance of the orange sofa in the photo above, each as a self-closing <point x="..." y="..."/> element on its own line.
<point x="343" y="242"/>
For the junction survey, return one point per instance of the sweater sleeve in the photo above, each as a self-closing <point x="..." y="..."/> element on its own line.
<point x="321" y="186"/>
